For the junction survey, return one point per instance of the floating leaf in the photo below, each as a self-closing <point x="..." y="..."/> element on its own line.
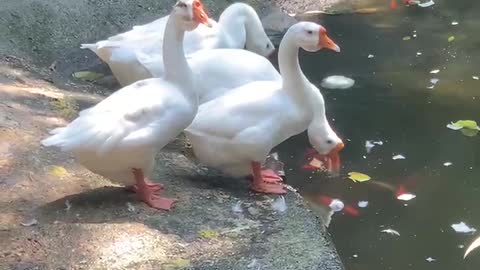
<point x="398" y="157"/>
<point x="463" y="228"/>
<point x="362" y="204"/>
<point x="464" y="124"/>
<point x="475" y="78"/>
<point x="472" y="246"/>
<point x="406" y="196"/>
<point x="87" y="75"/>
<point x="370" y="144"/>
<point x="451" y="38"/>
<point x="336" y="205"/>
<point x="447" y="164"/>
<point x="208" y="233"/>
<point x="430" y="259"/>
<point x="426" y="4"/>
<point x="337" y="82"/>
<point x="454" y="23"/>
<point x="435" y="71"/>
<point x="358" y="177"/>
<point x="469" y="132"/>
<point x="407" y="38"/>
<point x="58" y="171"/>
<point x="371" y="56"/>
<point x="391" y="231"/>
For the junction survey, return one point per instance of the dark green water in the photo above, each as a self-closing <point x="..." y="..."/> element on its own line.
<point x="391" y="102"/>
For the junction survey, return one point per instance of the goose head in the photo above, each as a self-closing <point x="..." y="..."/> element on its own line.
<point x="190" y="13"/>
<point x="327" y="146"/>
<point x="312" y="37"/>
<point x="255" y="38"/>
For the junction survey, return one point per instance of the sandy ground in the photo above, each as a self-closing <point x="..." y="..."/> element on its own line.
<point x="57" y="215"/>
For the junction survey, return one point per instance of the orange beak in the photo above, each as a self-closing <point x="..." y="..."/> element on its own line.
<point x="327" y="43"/>
<point x="199" y="13"/>
<point x="334" y="158"/>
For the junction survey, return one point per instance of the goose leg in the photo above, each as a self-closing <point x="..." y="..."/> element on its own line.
<point x="147" y="192"/>
<point x="150" y="184"/>
<point x="264" y="183"/>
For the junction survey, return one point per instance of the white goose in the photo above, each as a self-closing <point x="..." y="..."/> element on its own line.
<point x="260" y="115"/>
<point x="119" y="137"/>
<point x="238" y="27"/>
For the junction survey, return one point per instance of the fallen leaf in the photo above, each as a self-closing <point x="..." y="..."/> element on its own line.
<point x="426" y="4"/>
<point x="475" y="78"/>
<point x="237" y="207"/>
<point x="398" y="157"/>
<point x="472" y="246"/>
<point x="362" y="204"/>
<point x="447" y="164"/>
<point x="208" y="233"/>
<point x="336" y="205"/>
<point x="68" y="205"/>
<point x="391" y="231"/>
<point x="177" y="264"/>
<point x="451" y="38"/>
<point x="464" y="124"/>
<point x="454" y="23"/>
<point x="407" y="38"/>
<point x="358" y="177"/>
<point x="280" y="205"/>
<point x="370" y="144"/>
<point x="58" y="171"/>
<point x="130" y="207"/>
<point x="435" y="71"/>
<point x="469" y="132"/>
<point x="337" y="82"/>
<point x="30" y="222"/>
<point x="87" y="75"/>
<point x="406" y="196"/>
<point x="370" y="56"/>
<point x="463" y="228"/>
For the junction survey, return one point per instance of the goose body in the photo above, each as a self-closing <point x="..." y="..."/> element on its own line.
<point x="119" y="137"/>
<point x="238" y="27"/>
<point x="261" y="114"/>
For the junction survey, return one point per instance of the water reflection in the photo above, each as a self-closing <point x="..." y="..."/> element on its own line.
<point x="390" y="102"/>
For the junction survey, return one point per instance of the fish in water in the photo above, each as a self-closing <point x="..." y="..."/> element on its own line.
<point x="393" y="3"/>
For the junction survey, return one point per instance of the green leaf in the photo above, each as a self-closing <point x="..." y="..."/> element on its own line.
<point x="358" y="177"/>
<point x="177" y="264"/>
<point x="58" y="171"/>
<point x="451" y="38"/>
<point x="464" y="124"/>
<point x="87" y="75"/>
<point x="208" y="233"/>
<point x="469" y="132"/>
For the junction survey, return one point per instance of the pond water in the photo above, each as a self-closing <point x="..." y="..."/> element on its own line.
<point x="391" y="102"/>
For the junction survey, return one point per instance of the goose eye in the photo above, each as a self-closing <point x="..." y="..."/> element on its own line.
<point x="268" y="46"/>
<point x="329" y="141"/>
<point x="182" y="5"/>
<point x="310" y="32"/>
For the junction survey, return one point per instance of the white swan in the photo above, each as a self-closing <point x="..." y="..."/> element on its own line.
<point x="238" y="27"/>
<point x="236" y="131"/>
<point x="119" y="137"/>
